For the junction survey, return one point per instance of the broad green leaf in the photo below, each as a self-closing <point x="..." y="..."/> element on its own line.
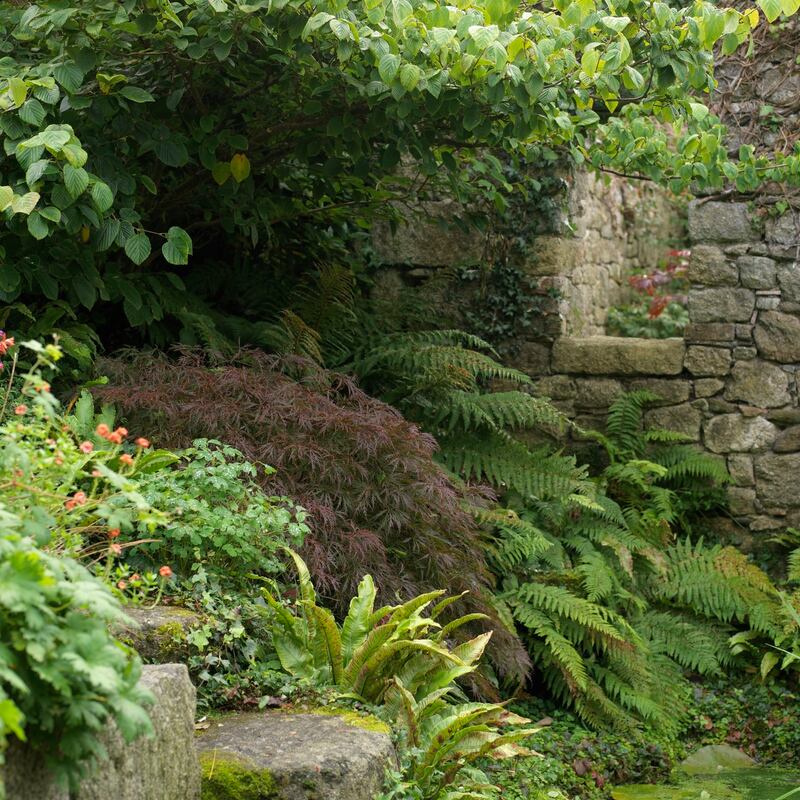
<point x="178" y="247"/>
<point x="410" y="75"/>
<point x="32" y="112"/>
<point x="240" y="167"/>
<point x="137" y="248"/>
<point x="136" y="95"/>
<point x="102" y="196"/>
<point x="772" y="8"/>
<point x="76" y="179"/>
<point x="221" y="171"/>
<point x="6" y="196"/>
<point x="37" y="225"/>
<point x="356" y="624"/>
<point x="19" y="90"/>
<point x="24" y="204"/>
<point x="70" y="76"/>
<point x="388" y="67"/>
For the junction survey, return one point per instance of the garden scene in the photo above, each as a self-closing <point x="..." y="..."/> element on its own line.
<point x="399" y="400"/>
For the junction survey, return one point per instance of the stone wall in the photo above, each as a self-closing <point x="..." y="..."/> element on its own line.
<point x="731" y="384"/>
<point x="606" y="228"/>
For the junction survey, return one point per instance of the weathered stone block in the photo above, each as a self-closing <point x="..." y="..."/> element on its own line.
<point x="682" y="419"/>
<point x="781" y="231"/>
<point x="164" y="766"/>
<point x="158" y="634"/>
<point x="758" y="383"/>
<point x="719" y="222"/>
<point x="741" y="501"/>
<point x="763" y="523"/>
<point x="789" y="281"/>
<point x="555" y="255"/>
<point x="788" y="441"/>
<point x="744" y="332"/>
<point x="297" y="756"/>
<point x="710" y="267"/>
<point x="740" y="468"/>
<point x="706" y="387"/>
<point x="757" y="272"/>
<point x="596" y="393"/>
<point x="744" y="353"/>
<point x="670" y="391"/>
<point x="532" y="358"/>
<point x="724" y="304"/>
<point x="785" y="416"/>
<point x="777" y="336"/>
<point x="704" y="332"/>
<point x="556" y="387"/>
<point x="733" y="433"/>
<point x="776" y="480"/>
<point x="704" y="361"/>
<point x="433" y="239"/>
<point x="609" y="355"/>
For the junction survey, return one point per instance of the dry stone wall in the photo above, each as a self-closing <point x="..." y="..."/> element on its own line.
<point x="730" y="384"/>
<point x="606" y="228"/>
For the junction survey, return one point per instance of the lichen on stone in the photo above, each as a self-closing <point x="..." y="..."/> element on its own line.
<point x="361" y="720"/>
<point x="227" y="778"/>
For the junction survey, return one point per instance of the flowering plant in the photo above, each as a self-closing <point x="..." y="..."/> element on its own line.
<point x="665" y="284"/>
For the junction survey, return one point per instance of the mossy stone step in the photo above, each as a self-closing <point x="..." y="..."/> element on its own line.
<point x="280" y="755"/>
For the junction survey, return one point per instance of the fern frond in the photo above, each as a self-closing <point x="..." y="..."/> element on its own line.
<point x="624" y="424"/>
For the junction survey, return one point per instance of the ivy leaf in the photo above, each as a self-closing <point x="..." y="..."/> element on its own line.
<point x="178" y="247"/>
<point x="76" y="179"/>
<point x="138" y="248"/>
<point x="240" y="167"/>
<point x="102" y="196"/>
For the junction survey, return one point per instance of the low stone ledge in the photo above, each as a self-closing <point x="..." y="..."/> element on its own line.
<point x="611" y="355"/>
<point x="158" y="634"/>
<point x="162" y="767"/>
<point x="294" y="756"/>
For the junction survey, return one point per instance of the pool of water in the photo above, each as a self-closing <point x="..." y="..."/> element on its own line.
<point x="753" y="783"/>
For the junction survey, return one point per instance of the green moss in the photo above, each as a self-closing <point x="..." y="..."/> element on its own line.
<point x="360" y="720"/>
<point x="227" y="778"/>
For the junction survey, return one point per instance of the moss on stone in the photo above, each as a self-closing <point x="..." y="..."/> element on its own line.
<point x="361" y="720"/>
<point x="227" y="778"/>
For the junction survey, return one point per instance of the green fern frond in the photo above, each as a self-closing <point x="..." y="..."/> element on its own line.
<point x="693" y="645"/>
<point x="624" y="424"/>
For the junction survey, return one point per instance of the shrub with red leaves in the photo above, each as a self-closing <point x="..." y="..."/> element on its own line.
<point x="377" y="500"/>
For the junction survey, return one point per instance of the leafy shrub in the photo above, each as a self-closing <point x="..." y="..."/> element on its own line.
<point x="377" y="502"/>
<point x="62" y="674"/>
<point x="220" y="519"/>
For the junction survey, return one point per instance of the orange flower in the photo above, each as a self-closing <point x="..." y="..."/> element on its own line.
<point x="86" y="447"/>
<point x="69" y="504"/>
<point x="102" y="430"/>
<point x="123" y="432"/>
<point x="125" y="458"/>
<point x="122" y="585"/>
<point x="114" y="438"/>
<point x="135" y="577"/>
<point x="80" y="498"/>
<point x="58" y="461"/>
<point x="115" y="549"/>
<point x="113" y="533"/>
<point x="142" y="442"/>
<point x="96" y="473"/>
<point x="165" y="572"/>
<point x="21" y="409"/>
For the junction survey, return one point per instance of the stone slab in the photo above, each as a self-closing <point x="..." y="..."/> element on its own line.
<point x="610" y="355"/>
<point x="162" y="767"/>
<point x="305" y="756"/>
<point x="720" y="222"/>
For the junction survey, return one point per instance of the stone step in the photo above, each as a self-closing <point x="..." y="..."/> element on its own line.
<point x="280" y="755"/>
